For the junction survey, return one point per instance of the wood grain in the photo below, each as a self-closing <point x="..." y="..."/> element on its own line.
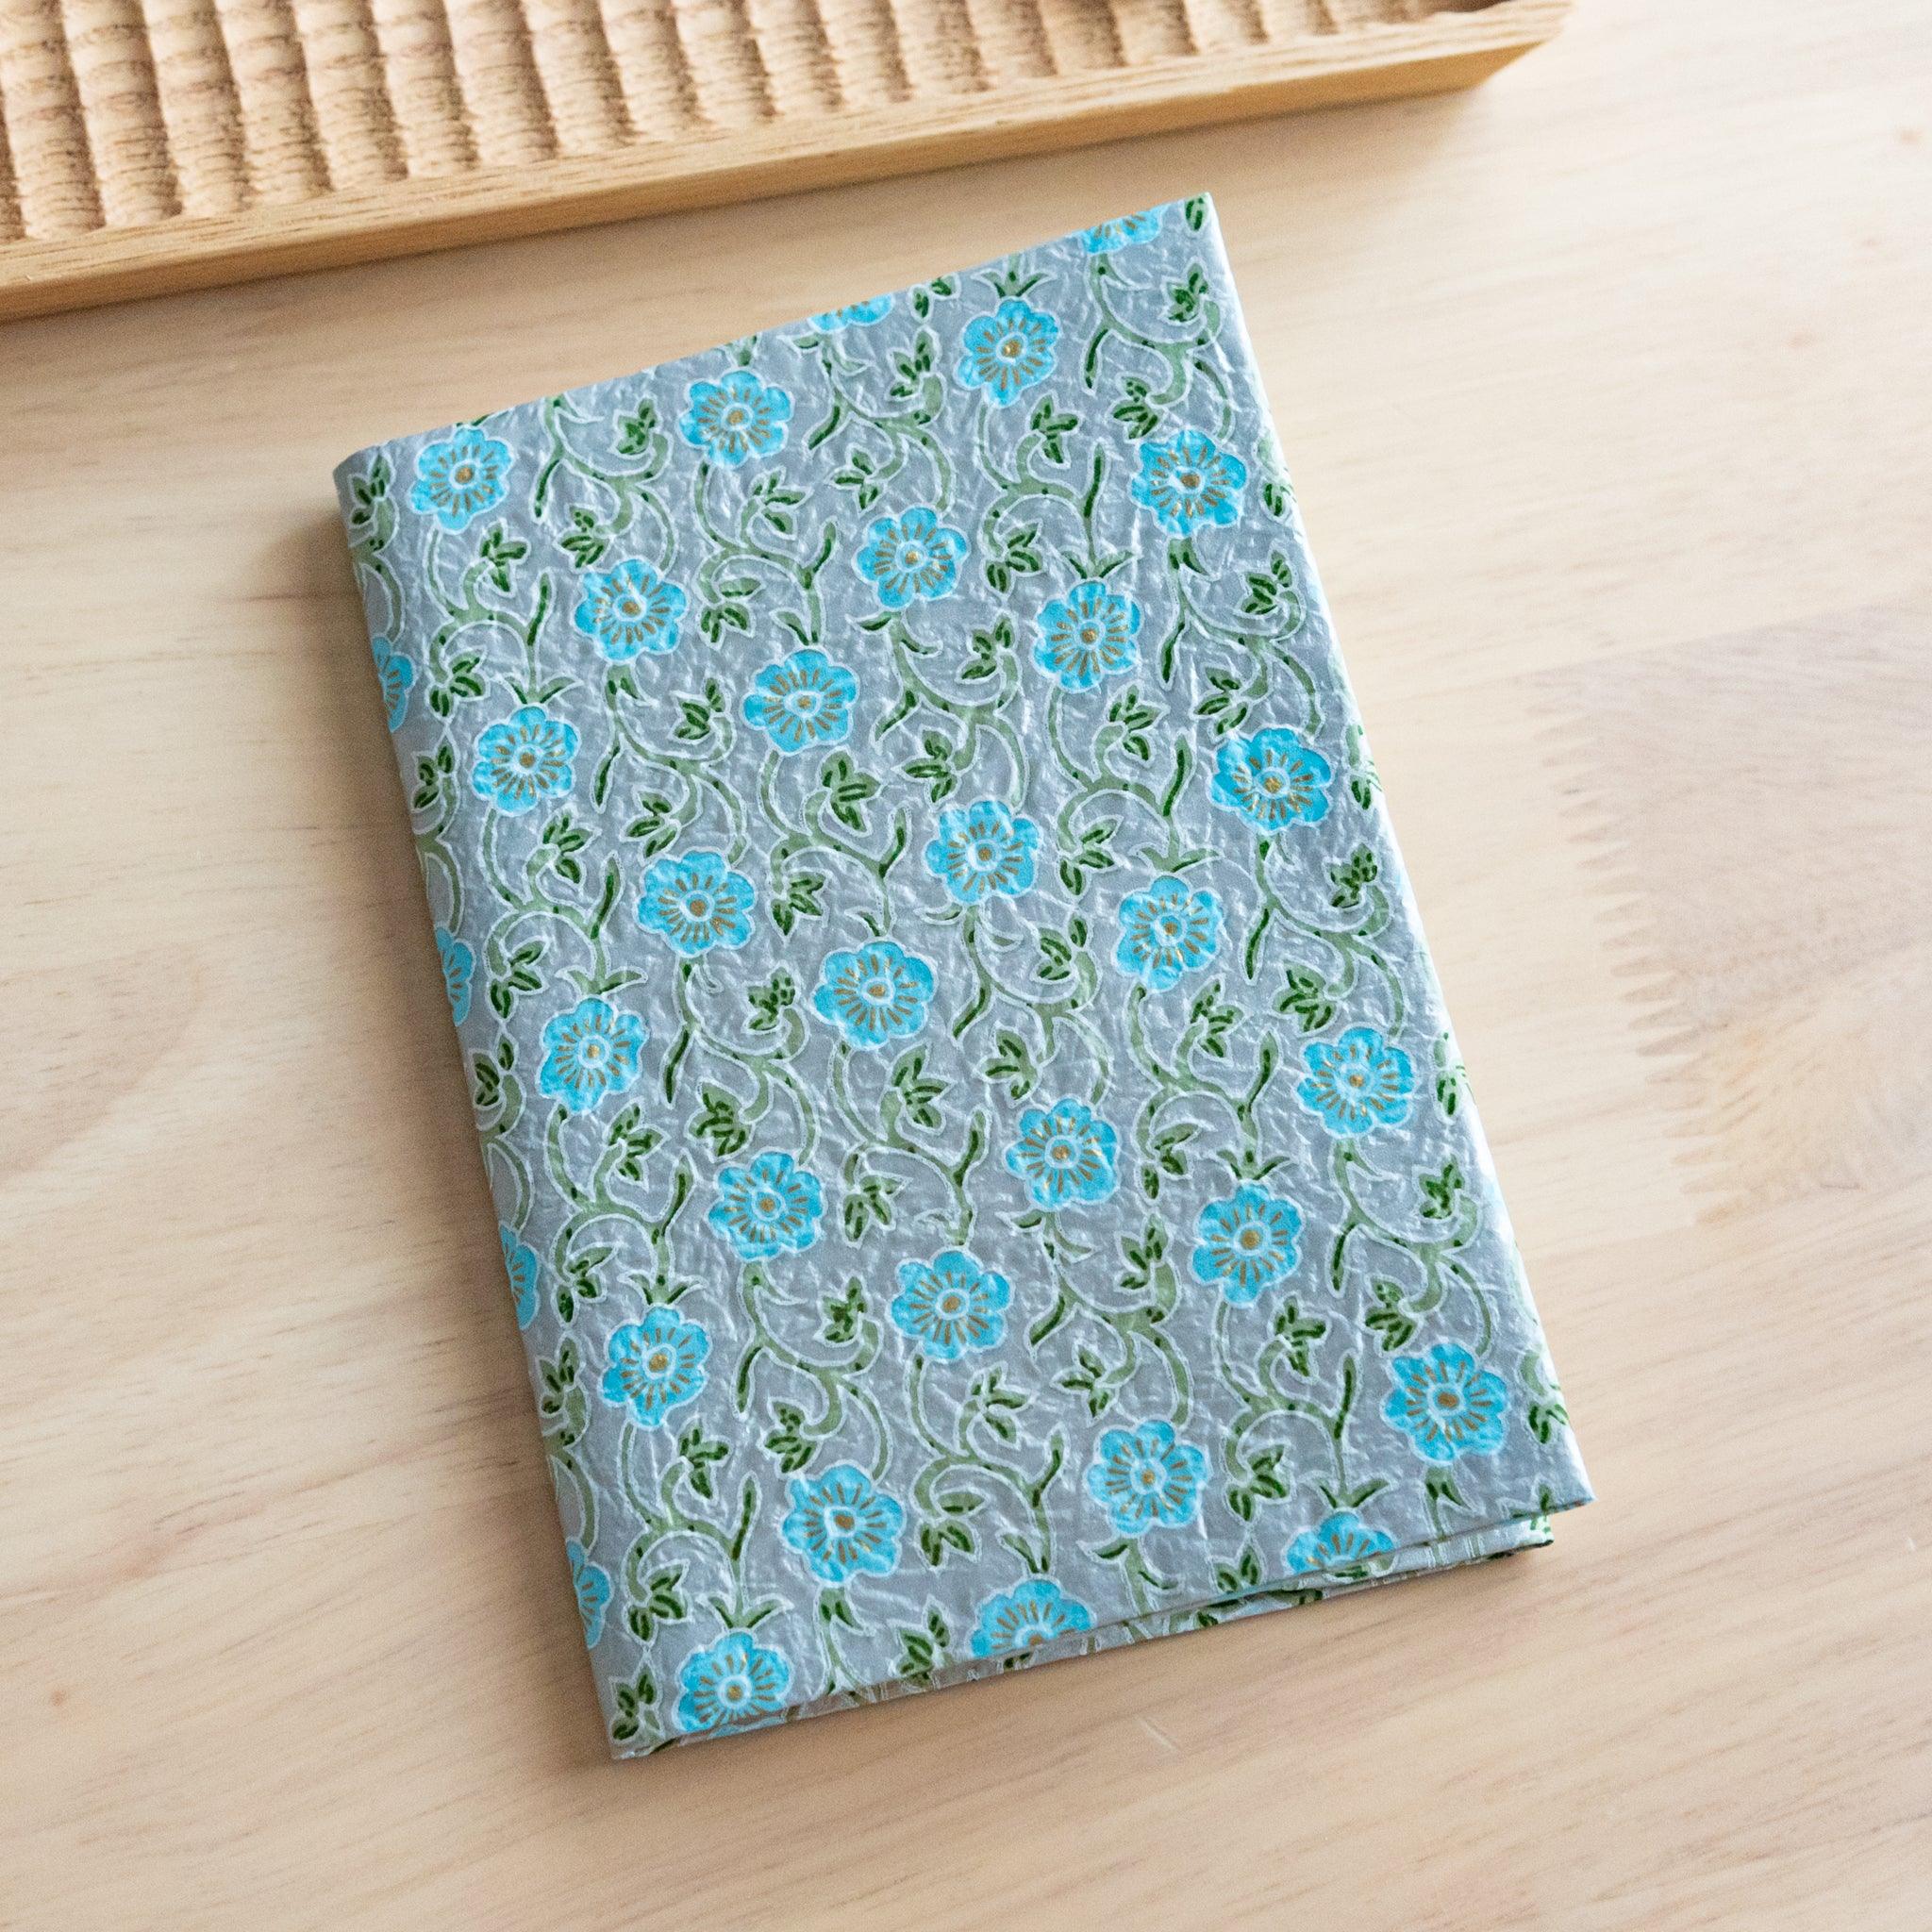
<point x="1607" y="399"/>
<point x="165" y="144"/>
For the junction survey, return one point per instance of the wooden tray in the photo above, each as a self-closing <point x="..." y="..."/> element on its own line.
<point x="161" y="144"/>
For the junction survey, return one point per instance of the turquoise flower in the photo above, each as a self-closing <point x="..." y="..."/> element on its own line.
<point x="1008" y="351"/>
<point x="802" y="700"/>
<point x="1343" y="1546"/>
<point x="735" y="417"/>
<point x="842" y="1527"/>
<point x="770" y="1205"/>
<point x="459" y="973"/>
<point x="1033" y="1614"/>
<point x="525" y="758"/>
<point x="1144" y="1477"/>
<point x="951" y="1304"/>
<point x="1166" y="930"/>
<point x="1247" y="1243"/>
<point x="1359" y="1083"/>
<point x="461" y="478"/>
<point x="1447" y="1405"/>
<point x="983" y="850"/>
<point x="734" y="1680"/>
<point x="876" y="994"/>
<point x="1064" y="1153"/>
<point x="1128" y="232"/>
<point x="1272" y="779"/>
<point x="655" y="1366"/>
<point x="1087" y="634"/>
<point x="854" y="315"/>
<point x="592" y="1582"/>
<point x="696" y="903"/>
<point x="590" y="1052"/>
<point x="520" y="1264"/>
<point x="629" y="610"/>
<point x="1188" y="481"/>
<point x="909" y="557"/>
<point x="398" y="676"/>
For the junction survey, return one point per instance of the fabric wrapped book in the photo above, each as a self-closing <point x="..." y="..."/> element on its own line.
<point x="984" y="1171"/>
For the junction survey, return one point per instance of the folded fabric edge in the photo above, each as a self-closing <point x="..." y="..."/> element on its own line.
<point x="1433" y="1555"/>
<point x="351" y="465"/>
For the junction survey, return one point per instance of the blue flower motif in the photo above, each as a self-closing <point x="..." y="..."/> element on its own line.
<point x="1166" y="930"/>
<point x="735" y="417"/>
<point x="1144" y="1476"/>
<point x="876" y="994"/>
<point x="1064" y="1153"/>
<point x="1033" y="1614"/>
<point x="909" y="557"/>
<point x="459" y="973"/>
<point x="520" y="1264"/>
<point x="655" y="1366"/>
<point x="1128" y="232"/>
<point x="588" y="1052"/>
<point x="525" y="758"/>
<point x="398" y="674"/>
<point x="1186" y="481"/>
<point x="1359" y="1083"/>
<point x="854" y="315"/>
<point x="802" y="700"/>
<point x="628" y="610"/>
<point x="983" y="850"/>
<point x="734" y="1680"/>
<point x="696" y="903"/>
<point x="766" y="1208"/>
<point x="842" y="1527"/>
<point x="1272" y="779"/>
<point x="1247" y="1243"/>
<point x="1087" y="634"/>
<point x="1008" y="351"/>
<point x="1447" y="1405"/>
<point x="459" y="479"/>
<point x="1343" y="1545"/>
<point x="951" y="1304"/>
<point x="592" y="1584"/>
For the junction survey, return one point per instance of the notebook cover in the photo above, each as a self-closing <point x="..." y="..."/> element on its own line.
<point x="983" y="1168"/>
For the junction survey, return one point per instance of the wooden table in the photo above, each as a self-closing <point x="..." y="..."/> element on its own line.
<point x="1607" y="397"/>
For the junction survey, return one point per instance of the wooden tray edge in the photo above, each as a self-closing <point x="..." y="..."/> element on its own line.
<point x="1441" y="55"/>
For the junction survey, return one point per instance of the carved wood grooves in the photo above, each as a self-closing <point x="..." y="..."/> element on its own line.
<point x="119" y="115"/>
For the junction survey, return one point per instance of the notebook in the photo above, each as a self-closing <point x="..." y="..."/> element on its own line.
<point x="983" y="1170"/>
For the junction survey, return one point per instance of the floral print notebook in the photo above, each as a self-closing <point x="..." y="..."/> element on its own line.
<point x="984" y="1171"/>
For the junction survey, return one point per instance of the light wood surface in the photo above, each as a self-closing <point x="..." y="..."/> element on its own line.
<point x="1607" y="395"/>
<point x="148" y="146"/>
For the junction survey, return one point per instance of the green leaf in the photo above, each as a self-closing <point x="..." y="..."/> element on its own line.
<point x="802" y="899"/>
<point x="849" y="788"/>
<point x="1217" y="1017"/>
<point x="1134" y="718"/>
<point x="1439" y="1190"/>
<point x="841" y="1312"/>
<point x="719" y="1121"/>
<point x="1185" y="299"/>
<point x="636" y="432"/>
<point x="769" y="1000"/>
<point x="1012" y="1062"/>
<point x="917" y="1089"/>
<point x="1305" y="994"/>
<point x="1389" y="1320"/>
<point x="1357" y="872"/>
<point x="937" y="768"/>
<point x="1053" y="426"/>
<point x="1298" y="1333"/>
